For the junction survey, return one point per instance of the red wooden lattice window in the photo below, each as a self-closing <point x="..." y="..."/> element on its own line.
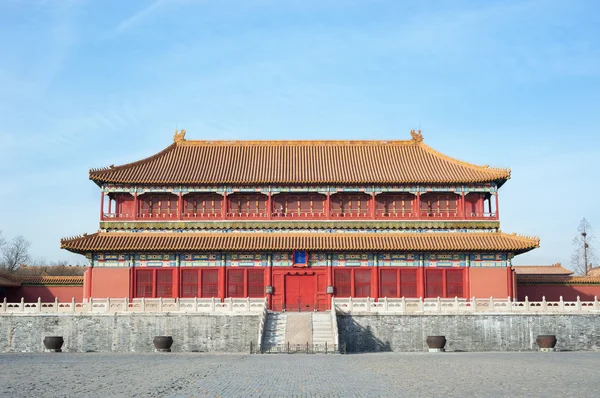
<point x="350" y="204"/>
<point x="189" y="283"/>
<point x="389" y="283"/>
<point x="408" y="283"/>
<point x="454" y="283"/>
<point x="143" y="283"/>
<point x="202" y="203"/>
<point x="362" y="283"/>
<point x="446" y="283"/>
<point x="298" y="203"/>
<point x="256" y="283"/>
<point x="210" y="283"/>
<point x="342" y="282"/>
<point x="164" y="283"/>
<point x="394" y="204"/>
<point x="435" y="283"/>
<point x="247" y="203"/>
<point x="158" y="204"/>
<point x="439" y="203"/>
<point x="235" y="285"/>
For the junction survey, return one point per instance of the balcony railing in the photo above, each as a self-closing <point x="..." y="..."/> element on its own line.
<point x="248" y="215"/>
<point x="112" y="305"/>
<point x="305" y="215"/>
<point x="394" y="214"/>
<point x="456" y="305"/>
<point x="202" y="215"/>
<point x="334" y="215"/>
<point x="350" y="214"/>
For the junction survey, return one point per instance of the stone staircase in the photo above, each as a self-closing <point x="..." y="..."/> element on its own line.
<point x="297" y="332"/>
<point x="322" y="331"/>
<point x="274" y="331"/>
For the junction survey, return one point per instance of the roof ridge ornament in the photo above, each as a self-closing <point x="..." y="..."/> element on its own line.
<point x="417" y="137"/>
<point x="179" y="136"/>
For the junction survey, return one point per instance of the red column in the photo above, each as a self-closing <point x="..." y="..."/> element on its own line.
<point x="101" y="205"/>
<point x="467" y="280"/>
<point x="224" y="207"/>
<point x="131" y="280"/>
<point x="464" y="204"/>
<point x="176" y="282"/>
<point x="222" y="280"/>
<point x="329" y="280"/>
<point x="497" y="206"/>
<point x="135" y="206"/>
<point x="269" y="206"/>
<point x="89" y="286"/>
<point x="180" y="206"/>
<point x="328" y="205"/>
<point x="375" y="284"/>
<point x="372" y="205"/>
<point x="109" y="204"/>
<point x="421" y="292"/>
<point x="418" y="205"/>
<point x="509" y="280"/>
<point x="269" y="272"/>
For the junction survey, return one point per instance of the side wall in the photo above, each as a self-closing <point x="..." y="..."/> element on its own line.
<point x="401" y="333"/>
<point x="129" y="332"/>
<point x="110" y="282"/>
<point x="553" y="292"/>
<point x="46" y="293"/>
<point x="489" y="282"/>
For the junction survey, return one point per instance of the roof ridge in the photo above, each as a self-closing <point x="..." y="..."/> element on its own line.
<point x="295" y="142"/>
<point x="125" y="233"/>
<point x="463" y="163"/>
<point x="132" y="164"/>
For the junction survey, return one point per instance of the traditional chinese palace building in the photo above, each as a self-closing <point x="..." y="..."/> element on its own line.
<point x="298" y="222"/>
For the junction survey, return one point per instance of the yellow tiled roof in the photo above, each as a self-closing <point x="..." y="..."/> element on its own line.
<point x="299" y="162"/>
<point x="554" y="269"/>
<point x="169" y="241"/>
<point x="51" y="280"/>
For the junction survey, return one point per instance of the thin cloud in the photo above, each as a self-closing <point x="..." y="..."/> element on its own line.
<point x="137" y="18"/>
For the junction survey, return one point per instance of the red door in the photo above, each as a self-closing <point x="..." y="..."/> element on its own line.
<point x="300" y="292"/>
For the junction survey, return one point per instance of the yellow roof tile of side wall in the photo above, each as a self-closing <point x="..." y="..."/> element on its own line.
<point x="299" y="162"/>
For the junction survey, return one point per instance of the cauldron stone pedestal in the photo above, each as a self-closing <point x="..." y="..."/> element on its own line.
<point x="163" y="343"/>
<point x="546" y="342"/>
<point x="53" y="343"/>
<point x="436" y="343"/>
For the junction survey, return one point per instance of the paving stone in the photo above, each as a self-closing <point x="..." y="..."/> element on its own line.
<point x="490" y="374"/>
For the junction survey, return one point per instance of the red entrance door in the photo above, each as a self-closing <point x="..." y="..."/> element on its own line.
<point x="300" y="292"/>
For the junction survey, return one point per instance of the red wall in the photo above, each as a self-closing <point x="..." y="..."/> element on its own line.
<point x="553" y="292"/>
<point x="489" y="282"/>
<point x="46" y="293"/>
<point x="109" y="282"/>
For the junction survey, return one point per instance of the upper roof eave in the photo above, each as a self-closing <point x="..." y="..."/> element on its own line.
<point x="299" y="162"/>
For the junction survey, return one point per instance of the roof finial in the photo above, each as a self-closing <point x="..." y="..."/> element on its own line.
<point x="417" y="137"/>
<point x="179" y="136"/>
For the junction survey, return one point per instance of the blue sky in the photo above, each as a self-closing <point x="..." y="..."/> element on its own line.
<point x="509" y="83"/>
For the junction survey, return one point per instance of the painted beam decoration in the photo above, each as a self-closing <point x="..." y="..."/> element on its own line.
<point x="352" y="260"/>
<point x="247" y="260"/>
<point x="155" y="260"/>
<point x="201" y="260"/>
<point x="489" y="260"/>
<point x="399" y="259"/>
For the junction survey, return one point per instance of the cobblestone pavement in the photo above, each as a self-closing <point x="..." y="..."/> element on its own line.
<point x="300" y="375"/>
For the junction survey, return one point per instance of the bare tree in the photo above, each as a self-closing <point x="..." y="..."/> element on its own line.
<point x="2" y="240"/>
<point x="584" y="252"/>
<point x="14" y="253"/>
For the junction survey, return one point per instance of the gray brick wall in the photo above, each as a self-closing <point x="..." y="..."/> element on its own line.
<point x="129" y="332"/>
<point x="402" y="333"/>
